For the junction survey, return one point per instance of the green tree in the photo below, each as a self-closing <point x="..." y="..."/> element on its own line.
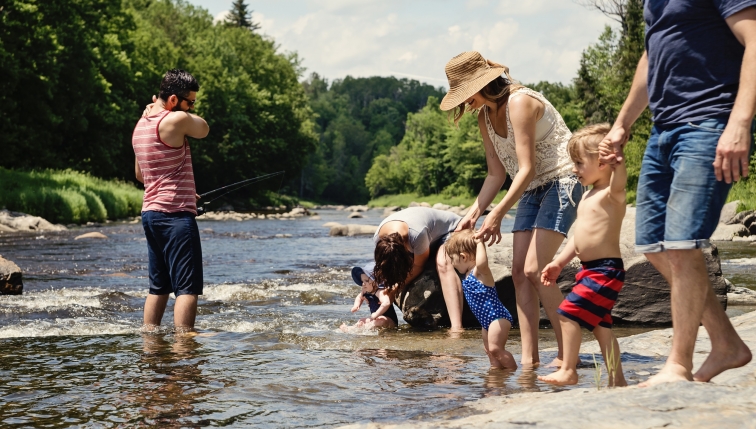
<point x="239" y="16"/>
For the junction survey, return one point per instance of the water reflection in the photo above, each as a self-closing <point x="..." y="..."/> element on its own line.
<point x="173" y="382"/>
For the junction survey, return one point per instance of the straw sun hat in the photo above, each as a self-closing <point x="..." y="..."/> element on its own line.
<point x="468" y="73"/>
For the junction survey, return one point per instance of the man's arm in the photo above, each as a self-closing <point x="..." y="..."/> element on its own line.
<point x="192" y="125"/>
<point x="731" y="161"/>
<point x="138" y="171"/>
<point x="635" y="103"/>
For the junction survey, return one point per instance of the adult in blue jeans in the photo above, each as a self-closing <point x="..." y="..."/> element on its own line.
<point x="523" y="136"/>
<point x="697" y="76"/>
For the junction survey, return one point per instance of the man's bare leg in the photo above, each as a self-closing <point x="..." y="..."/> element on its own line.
<point x="451" y="287"/>
<point x="727" y="349"/>
<point x="689" y="281"/>
<point x="610" y="348"/>
<point x="567" y="372"/>
<point x="185" y="313"/>
<point x="527" y="299"/>
<point x="154" y="308"/>
<point x="543" y="247"/>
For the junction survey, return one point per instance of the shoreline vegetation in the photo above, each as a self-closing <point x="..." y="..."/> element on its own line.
<point x="404" y="200"/>
<point x="67" y="196"/>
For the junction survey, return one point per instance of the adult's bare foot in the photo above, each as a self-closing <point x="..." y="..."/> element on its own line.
<point x="671" y="373"/>
<point x="721" y="360"/>
<point x="556" y="363"/>
<point x="560" y="378"/>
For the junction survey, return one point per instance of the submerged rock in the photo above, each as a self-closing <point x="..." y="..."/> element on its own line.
<point x="11" y="282"/>
<point x="351" y="230"/>
<point x="98" y="235"/>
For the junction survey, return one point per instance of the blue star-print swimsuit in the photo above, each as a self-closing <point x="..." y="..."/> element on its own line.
<point x="484" y="302"/>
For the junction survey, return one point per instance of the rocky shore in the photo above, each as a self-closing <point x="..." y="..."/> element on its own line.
<point x="729" y="401"/>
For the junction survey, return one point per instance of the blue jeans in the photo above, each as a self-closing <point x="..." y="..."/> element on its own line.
<point x="175" y="253"/>
<point x="679" y="198"/>
<point x="552" y="206"/>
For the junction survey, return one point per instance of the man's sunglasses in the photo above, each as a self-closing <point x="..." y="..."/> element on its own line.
<point x="190" y="102"/>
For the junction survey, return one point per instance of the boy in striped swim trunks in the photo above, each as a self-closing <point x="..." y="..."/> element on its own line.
<point x="596" y="242"/>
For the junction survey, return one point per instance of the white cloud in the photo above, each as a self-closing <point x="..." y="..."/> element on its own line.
<point x="220" y="16"/>
<point x="537" y="39"/>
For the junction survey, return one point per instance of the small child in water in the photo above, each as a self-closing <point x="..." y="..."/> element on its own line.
<point x="596" y="242"/>
<point x="382" y="313"/>
<point x="468" y="256"/>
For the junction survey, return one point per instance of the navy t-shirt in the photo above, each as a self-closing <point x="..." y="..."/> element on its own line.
<point x="693" y="58"/>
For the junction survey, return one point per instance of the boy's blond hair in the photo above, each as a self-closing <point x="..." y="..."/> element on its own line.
<point x="587" y="138"/>
<point x="461" y="242"/>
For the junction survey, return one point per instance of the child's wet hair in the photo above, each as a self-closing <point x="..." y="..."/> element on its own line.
<point x="587" y="138"/>
<point x="461" y="242"/>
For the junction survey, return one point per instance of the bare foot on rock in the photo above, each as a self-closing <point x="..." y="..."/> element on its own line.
<point x="562" y="377"/>
<point x="671" y="373"/>
<point x="721" y="360"/>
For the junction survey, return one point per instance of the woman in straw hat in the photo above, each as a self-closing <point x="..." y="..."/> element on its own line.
<point x="524" y="136"/>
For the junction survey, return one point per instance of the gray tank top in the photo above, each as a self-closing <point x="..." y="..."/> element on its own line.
<point x="425" y="225"/>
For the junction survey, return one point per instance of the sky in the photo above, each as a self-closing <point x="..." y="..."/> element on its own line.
<point x="537" y="39"/>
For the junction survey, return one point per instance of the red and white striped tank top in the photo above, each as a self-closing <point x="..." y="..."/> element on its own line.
<point x="167" y="171"/>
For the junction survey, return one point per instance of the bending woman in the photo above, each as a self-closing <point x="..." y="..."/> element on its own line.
<point x="402" y="247"/>
<point x="524" y="136"/>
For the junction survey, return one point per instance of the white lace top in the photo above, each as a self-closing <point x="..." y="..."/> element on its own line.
<point x="552" y="159"/>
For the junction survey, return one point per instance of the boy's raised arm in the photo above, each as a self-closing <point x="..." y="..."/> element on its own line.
<point x="482" y="270"/>
<point x="618" y="181"/>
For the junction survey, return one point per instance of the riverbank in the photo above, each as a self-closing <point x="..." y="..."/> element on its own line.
<point x="728" y="401"/>
<point x="68" y="197"/>
<point x="404" y="200"/>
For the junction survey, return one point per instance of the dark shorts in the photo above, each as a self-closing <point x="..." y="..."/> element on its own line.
<point x="175" y="253"/>
<point x="552" y="206"/>
<point x="592" y="298"/>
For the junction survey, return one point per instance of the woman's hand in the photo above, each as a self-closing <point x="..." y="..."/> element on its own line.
<point x="467" y="222"/>
<point x="490" y="231"/>
<point x="149" y="107"/>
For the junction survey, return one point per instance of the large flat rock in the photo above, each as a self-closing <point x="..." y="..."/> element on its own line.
<point x="11" y="282"/>
<point x="21" y="222"/>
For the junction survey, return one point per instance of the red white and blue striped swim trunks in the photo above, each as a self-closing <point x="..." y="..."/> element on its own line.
<point x="592" y="298"/>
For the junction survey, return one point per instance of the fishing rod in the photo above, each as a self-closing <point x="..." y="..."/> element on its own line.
<point x="236" y="186"/>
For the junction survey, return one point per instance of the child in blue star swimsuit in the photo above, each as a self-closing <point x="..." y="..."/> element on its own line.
<point x="382" y="313"/>
<point x="469" y="257"/>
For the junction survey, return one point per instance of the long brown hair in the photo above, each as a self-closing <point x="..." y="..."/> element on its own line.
<point x="497" y="90"/>
<point x="393" y="262"/>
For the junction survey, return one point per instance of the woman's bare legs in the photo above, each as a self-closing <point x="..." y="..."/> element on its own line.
<point x="532" y="250"/>
<point x="451" y="287"/>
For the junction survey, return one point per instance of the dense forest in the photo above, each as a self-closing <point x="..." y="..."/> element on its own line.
<point x="76" y="74"/>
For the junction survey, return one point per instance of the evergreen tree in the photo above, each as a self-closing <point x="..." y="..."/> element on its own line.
<point x="240" y="17"/>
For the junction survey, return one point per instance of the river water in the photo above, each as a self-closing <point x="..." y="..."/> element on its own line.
<point x="270" y="352"/>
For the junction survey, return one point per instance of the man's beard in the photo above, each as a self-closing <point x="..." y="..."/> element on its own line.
<point x="177" y="108"/>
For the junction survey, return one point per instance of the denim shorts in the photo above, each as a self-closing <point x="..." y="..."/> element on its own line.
<point x="175" y="253"/>
<point x="552" y="206"/>
<point x="679" y="198"/>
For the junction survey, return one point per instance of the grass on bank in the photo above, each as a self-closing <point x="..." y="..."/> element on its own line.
<point x="403" y="200"/>
<point x="68" y="196"/>
<point x="745" y="191"/>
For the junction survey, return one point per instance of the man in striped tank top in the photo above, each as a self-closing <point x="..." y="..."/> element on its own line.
<point x="164" y="165"/>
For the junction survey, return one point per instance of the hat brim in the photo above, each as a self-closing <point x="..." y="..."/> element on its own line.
<point x="461" y="93"/>
<point x="357" y="273"/>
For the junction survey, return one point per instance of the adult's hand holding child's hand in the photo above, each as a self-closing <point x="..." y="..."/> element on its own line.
<point x="550" y="273"/>
<point x="467" y="222"/>
<point x="610" y="148"/>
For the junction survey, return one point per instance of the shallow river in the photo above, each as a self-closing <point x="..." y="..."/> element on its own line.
<point x="270" y="353"/>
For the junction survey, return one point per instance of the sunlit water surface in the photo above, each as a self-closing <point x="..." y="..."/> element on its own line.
<point x="270" y="353"/>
